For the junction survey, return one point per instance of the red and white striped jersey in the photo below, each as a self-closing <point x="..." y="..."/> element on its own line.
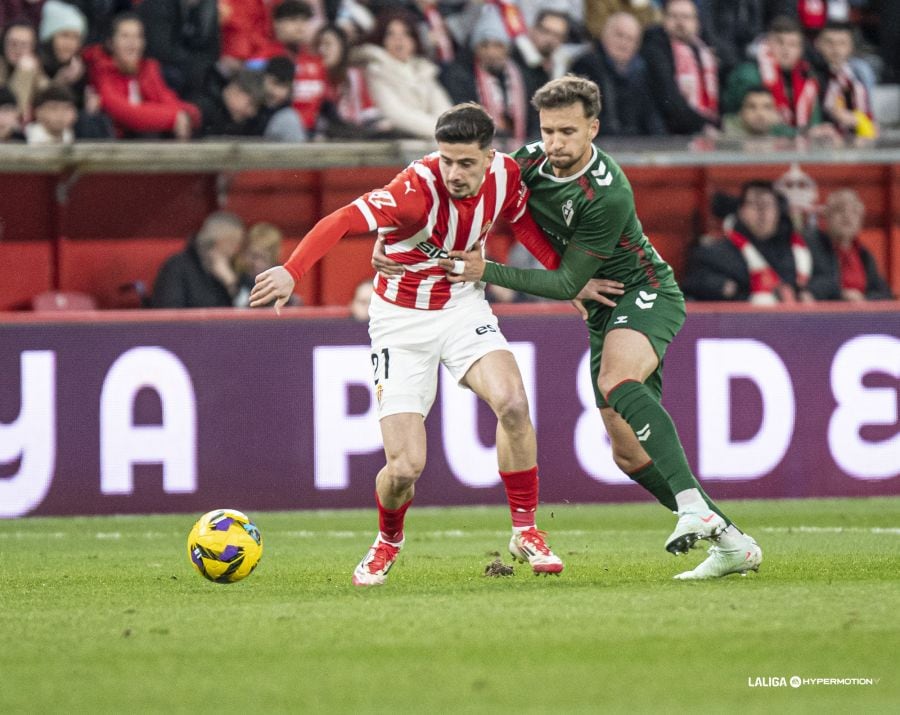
<point x="421" y="223"/>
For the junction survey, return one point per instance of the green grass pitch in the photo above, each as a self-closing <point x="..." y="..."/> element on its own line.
<point x="106" y="615"/>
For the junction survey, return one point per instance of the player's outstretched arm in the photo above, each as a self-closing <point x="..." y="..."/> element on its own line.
<point x="275" y="284"/>
<point x="570" y="280"/>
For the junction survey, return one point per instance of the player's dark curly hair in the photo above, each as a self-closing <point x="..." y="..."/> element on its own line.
<point x="566" y="91"/>
<point x="464" y="124"/>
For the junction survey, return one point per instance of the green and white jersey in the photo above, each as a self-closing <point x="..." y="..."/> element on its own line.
<point x="591" y="221"/>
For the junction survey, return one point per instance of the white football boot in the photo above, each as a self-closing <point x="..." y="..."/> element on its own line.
<point x="722" y="561"/>
<point x="373" y="569"/>
<point x="529" y="545"/>
<point x="694" y="523"/>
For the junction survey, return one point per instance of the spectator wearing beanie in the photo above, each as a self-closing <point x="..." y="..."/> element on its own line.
<point x="61" y="36"/>
<point x="54" y="117"/>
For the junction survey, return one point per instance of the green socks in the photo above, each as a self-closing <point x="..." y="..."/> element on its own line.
<point x="656" y="432"/>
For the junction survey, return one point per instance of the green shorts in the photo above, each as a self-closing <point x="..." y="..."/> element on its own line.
<point x="656" y="313"/>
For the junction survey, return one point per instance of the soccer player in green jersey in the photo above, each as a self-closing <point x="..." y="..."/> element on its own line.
<point x="583" y="201"/>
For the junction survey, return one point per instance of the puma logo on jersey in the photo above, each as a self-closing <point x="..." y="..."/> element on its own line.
<point x="644" y="301"/>
<point x="621" y="320"/>
<point x="568" y="212"/>
<point x="409" y="188"/>
<point x="643" y="434"/>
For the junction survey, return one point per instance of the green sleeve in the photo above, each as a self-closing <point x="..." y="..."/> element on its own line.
<point x="576" y="268"/>
<point x="592" y="243"/>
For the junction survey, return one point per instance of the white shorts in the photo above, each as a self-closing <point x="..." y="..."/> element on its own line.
<point x="408" y="345"/>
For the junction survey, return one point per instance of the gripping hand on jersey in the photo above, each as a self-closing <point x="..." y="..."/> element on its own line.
<point x="469" y="266"/>
<point x="275" y="284"/>
<point x="464" y="266"/>
<point x="387" y="267"/>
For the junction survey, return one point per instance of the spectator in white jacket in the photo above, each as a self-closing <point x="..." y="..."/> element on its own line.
<point x="403" y="83"/>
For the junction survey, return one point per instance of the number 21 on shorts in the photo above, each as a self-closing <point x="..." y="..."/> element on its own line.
<point x="381" y="361"/>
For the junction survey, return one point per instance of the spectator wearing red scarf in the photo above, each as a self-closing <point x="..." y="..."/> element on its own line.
<point x="683" y="72"/>
<point x="131" y="87"/>
<point x="761" y="258"/>
<point x="781" y="69"/>
<point x="845" y="270"/>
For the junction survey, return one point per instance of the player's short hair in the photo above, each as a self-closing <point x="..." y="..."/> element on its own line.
<point x="784" y="25"/>
<point x="568" y="90"/>
<point x="464" y="124"/>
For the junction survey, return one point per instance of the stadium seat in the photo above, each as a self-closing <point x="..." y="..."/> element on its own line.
<point x="54" y="300"/>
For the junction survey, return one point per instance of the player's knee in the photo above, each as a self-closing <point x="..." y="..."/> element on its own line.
<point x="404" y="470"/>
<point x="606" y="383"/>
<point x="512" y="410"/>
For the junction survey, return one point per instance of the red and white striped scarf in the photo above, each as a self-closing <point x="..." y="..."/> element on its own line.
<point x="509" y="109"/>
<point x="804" y="85"/>
<point x="517" y="29"/>
<point x="845" y="91"/>
<point x="697" y="82"/>
<point x="352" y="99"/>
<point x="766" y="286"/>
<point x="440" y="36"/>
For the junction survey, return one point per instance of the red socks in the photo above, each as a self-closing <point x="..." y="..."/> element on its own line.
<point x="522" y="493"/>
<point x="390" y="521"/>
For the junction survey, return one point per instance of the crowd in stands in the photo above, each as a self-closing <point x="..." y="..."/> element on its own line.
<point x="311" y="70"/>
<point x="776" y="244"/>
<point x="299" y="70"/>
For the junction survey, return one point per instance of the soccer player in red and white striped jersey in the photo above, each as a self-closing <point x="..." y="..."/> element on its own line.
<point x="447" y="201"/>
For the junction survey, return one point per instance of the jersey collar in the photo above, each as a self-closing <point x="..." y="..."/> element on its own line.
<point x="566" y="179"/>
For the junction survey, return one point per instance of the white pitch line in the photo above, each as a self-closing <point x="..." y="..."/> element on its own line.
<point x="829" y="530"/>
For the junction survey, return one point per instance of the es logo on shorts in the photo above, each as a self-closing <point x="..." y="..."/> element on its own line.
<point x="482" y="329"/>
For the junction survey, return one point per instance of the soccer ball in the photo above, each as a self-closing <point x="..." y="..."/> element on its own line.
<point x="224" y="545"/>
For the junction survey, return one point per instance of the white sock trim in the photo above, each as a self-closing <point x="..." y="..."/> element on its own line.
<point x="690" y="499"/>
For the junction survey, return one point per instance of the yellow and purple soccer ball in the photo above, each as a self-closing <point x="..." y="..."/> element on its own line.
<point x="224" y="545"/>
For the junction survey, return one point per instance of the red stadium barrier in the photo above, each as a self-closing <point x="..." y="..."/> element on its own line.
<point x="96" y="232"/>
